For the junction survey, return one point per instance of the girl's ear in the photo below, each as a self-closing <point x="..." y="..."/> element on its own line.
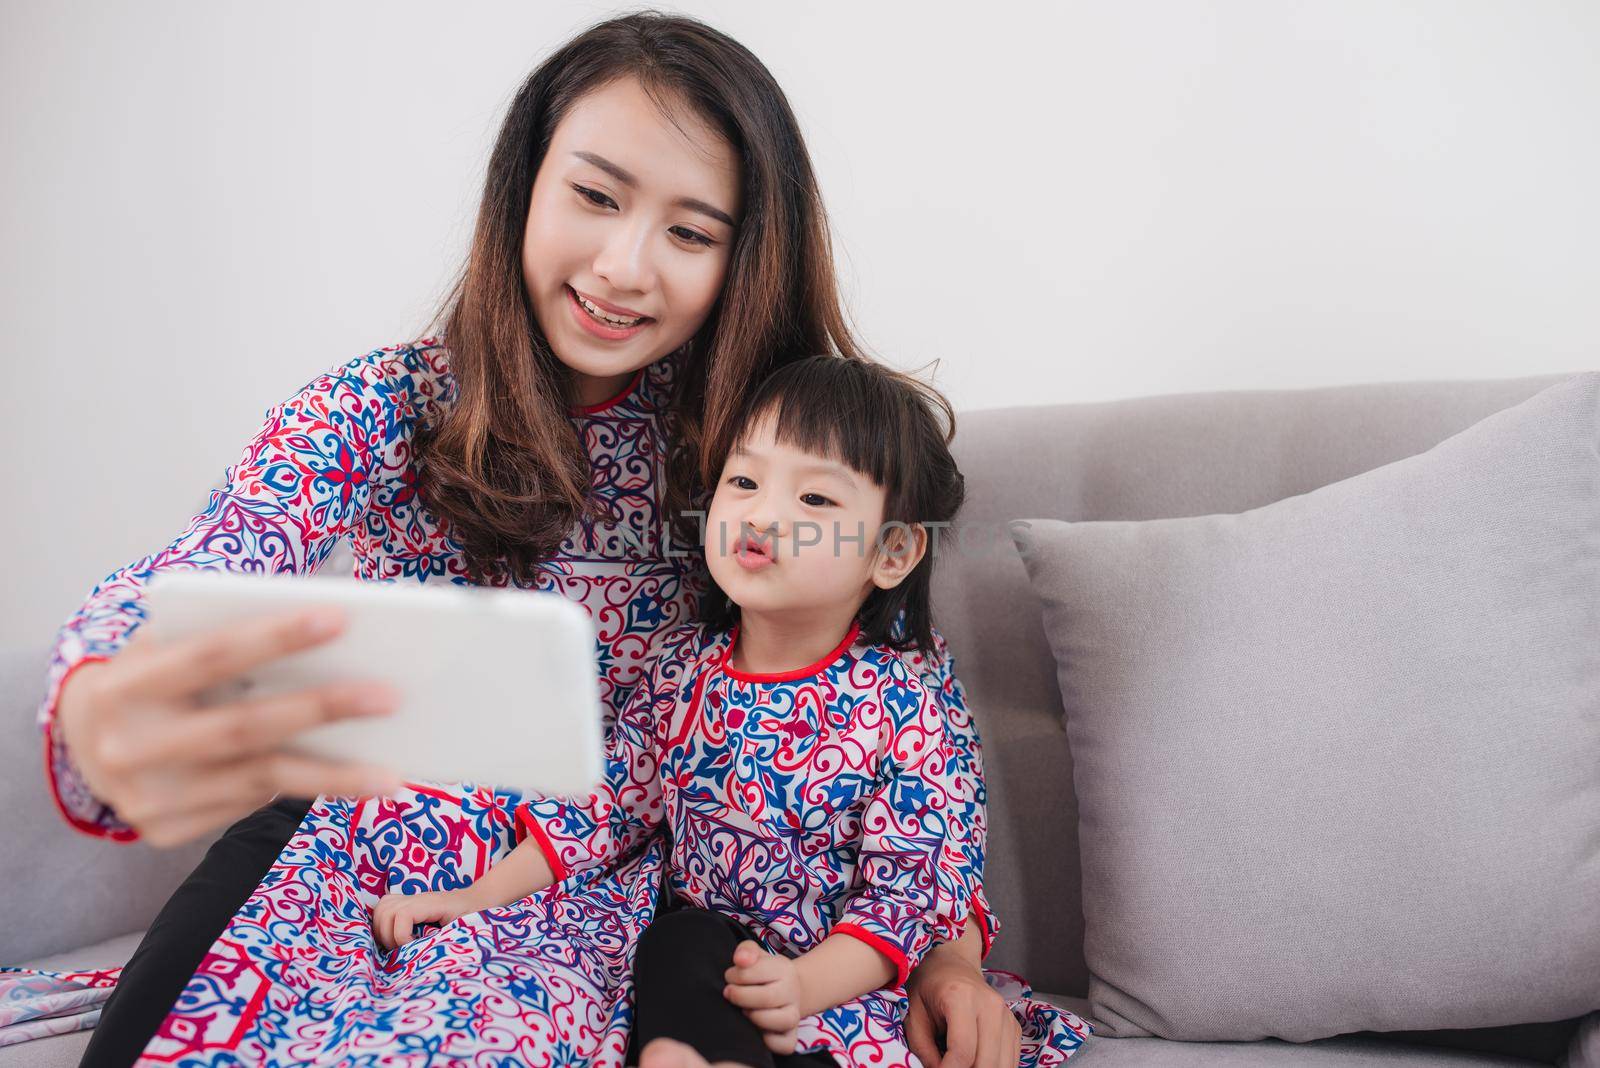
<point x="903" y="546"/>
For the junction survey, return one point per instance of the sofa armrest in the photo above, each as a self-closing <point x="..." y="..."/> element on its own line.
<point x="60" y="887"/>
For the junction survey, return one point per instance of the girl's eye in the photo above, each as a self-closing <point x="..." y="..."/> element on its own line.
<point x="742" y="478"/>
<point x="594" y="196"/>
<point x="694" y="236"/>
<point x="818" y="496"/>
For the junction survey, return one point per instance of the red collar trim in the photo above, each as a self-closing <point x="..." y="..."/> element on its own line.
<point x="785" y="676"/>
<point x="591" y="409"/>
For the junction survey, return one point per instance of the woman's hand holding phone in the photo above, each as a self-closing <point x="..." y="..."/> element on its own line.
<point x="174" y="769"/>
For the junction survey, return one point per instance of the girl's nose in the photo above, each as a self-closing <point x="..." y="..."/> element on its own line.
<point x="763" y="527"/>
<point x="625" y="261"/>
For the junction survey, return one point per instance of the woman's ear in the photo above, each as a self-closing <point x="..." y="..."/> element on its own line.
<point x="901" y="549"/>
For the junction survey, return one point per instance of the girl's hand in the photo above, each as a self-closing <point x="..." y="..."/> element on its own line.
<point x="173" y="769"/>
<point x="395" y="917"/>
<point x="767" y="987"/>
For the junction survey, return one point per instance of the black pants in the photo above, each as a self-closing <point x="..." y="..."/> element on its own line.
<point x="677" y="977"/>
<point x="192" y="919"/>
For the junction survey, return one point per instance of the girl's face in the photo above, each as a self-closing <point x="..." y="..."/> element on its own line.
<point x="635" y="216"/>
<point x="792" y="532"/>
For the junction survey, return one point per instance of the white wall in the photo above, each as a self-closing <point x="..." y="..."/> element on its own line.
<point x="204" y="205"/>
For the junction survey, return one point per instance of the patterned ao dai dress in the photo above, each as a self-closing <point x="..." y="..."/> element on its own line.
<point x="295" y="976"/>
<point x="822" y="800"/>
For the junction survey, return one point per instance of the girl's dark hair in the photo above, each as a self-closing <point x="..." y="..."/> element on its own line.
<point x="891" y="427"/>
<point x="502" y="467"/>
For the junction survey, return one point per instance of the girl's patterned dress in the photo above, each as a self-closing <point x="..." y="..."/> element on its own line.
<point x="819" y="801"/>
<point x="295" y="977"/>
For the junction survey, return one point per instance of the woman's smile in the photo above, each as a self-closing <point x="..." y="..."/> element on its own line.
<point x="600" y="322"/>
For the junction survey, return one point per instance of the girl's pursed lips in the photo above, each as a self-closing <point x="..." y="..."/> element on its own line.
<point x="752" y="554"/>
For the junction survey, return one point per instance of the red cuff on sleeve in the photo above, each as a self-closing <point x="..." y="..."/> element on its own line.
<point x="982" y="916"/>
<point x="542" y="840"/>
<point x="116" y="834"/>
<point x="902" y="966"/>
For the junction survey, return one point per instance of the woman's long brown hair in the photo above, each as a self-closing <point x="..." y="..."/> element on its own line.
<point x="502" y="467"/>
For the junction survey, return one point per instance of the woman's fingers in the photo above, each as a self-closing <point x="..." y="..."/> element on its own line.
<point x="254" y="725"/>
<point x="176" y="828"/>
<point x="173" y="805"/>
<point x="919" y="1036"/>
<point x="186" y="666"/>
<point x="170" y="808"/>
<point x="303" y="776"/>
<point x="986" y="1051"/>
<point x="960" y="1037"/>
<point x="994" y="1042"/>
<point x="226" y="790"/>
<point x="173" y="771"/>
<point x="1008" y="1034"/>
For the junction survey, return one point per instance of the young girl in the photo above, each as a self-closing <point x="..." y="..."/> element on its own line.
<point x="805" y="773"/>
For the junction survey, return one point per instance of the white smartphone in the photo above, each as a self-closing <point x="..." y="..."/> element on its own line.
<point x="498" y="687"/>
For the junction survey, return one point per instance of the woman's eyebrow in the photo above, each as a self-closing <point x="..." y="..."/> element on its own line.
<point x="629" y="180"/>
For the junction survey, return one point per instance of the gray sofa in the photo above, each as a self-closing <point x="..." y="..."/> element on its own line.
<point x="71" y="900"/>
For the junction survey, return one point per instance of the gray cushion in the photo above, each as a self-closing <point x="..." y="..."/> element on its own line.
<point x="1153" y="457"/>
<point x="1337" y="758"/>
<point x="1345" y="1051"/>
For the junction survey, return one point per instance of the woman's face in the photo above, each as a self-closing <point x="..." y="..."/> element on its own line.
<point x="636" y="217"/>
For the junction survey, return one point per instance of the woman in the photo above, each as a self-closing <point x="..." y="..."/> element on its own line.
<point x="650" y="242"/>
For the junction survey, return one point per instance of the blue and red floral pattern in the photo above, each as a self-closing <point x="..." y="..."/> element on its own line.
<point x="807" y="803"/>
<point x="295" y="977"/>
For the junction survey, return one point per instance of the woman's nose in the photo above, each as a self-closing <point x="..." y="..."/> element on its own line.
<point x="625" y="261"/>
